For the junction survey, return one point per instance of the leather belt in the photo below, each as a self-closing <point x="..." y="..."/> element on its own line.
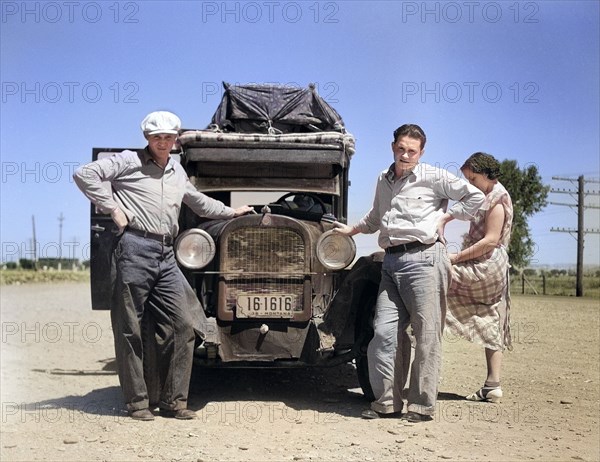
<point x="164" y="239"/>
<point x="406" y="247"/>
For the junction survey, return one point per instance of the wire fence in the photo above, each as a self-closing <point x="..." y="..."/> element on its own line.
<point x="553" y="285"/>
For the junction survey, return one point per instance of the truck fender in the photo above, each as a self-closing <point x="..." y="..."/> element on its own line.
<point x="354" y="301"/>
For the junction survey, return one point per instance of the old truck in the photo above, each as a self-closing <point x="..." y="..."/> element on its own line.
<point x="275" y="288"/>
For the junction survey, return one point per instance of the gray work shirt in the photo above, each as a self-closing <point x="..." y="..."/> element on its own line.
<point x="150" y="196"/>
<point x="408" y="208"/>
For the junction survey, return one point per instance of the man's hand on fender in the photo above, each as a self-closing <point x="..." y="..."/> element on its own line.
<point x="243" y="210"/>
<point x="341" y="228"/>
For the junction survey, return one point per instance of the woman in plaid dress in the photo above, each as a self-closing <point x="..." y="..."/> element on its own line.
<point x="478" y="298"/>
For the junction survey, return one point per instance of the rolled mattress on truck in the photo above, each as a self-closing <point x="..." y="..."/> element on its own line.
<point x="320" y="140"/>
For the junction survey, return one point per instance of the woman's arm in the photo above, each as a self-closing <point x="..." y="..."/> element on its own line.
<point x="494" y="220"/>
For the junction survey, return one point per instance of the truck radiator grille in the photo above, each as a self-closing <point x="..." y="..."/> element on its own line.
<point x="264" y="273"/>
<point x="265" y="250"/>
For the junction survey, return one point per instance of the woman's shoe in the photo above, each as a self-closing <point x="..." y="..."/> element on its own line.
<point x="488" y="394"/>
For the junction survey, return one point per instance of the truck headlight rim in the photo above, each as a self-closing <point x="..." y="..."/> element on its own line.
<point x="335" y="251"/>
<point x="195" y="248"/>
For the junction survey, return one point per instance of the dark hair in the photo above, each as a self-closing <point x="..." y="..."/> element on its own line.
<point x="412" y="131"/>
<point x="483" y="163"/>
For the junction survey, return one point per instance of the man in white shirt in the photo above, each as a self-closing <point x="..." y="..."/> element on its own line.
<point x="410" y="199"/>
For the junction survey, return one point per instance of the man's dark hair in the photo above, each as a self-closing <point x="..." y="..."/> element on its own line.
<point x="483" y="163"/>
<point x="412" y="131"/>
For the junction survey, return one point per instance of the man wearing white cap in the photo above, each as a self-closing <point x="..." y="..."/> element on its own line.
<point x="147" y="192"/>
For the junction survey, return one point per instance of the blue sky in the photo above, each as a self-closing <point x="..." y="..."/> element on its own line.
<point x="519" y="80"/>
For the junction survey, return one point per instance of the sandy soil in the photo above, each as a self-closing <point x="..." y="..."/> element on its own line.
<point x="61" y="400"/>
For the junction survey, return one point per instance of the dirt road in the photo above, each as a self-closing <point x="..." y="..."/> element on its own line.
<point x="61" y="400"/>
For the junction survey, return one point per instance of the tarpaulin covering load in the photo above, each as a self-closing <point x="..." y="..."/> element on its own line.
<point x="274" y="109"/>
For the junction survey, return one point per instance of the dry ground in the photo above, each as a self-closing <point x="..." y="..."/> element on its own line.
<point x="61" y="401"/>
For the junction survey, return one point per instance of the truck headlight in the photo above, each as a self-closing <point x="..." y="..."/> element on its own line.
<point x="195" y="248"/>
<point x="335" y="251"/>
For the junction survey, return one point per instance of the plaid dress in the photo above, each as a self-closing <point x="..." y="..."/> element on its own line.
<point x="479" y="298"/>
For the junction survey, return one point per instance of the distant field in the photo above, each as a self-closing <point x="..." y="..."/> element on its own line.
<point x="9" y="277"/>
<point x="558" y="285"/>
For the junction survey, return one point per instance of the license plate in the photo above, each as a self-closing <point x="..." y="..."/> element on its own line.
<point x="265" y="306"/>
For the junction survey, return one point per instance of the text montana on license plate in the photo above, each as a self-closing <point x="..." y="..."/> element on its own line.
<point x="265" y="306"/>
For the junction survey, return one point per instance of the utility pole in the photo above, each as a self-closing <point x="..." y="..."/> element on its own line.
<point x="60" y="225"/>
<point x="581" y="231"/>
<point x="34" y="244"/>
<point x="75" y="264"/>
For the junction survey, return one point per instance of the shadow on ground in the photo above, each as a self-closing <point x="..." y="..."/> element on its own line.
<point x="324" y="389"/>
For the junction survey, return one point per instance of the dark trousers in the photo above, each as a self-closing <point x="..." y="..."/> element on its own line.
<point x="149" y="282"/>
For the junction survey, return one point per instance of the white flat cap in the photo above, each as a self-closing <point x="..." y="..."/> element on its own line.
<point x="161" y="122"/>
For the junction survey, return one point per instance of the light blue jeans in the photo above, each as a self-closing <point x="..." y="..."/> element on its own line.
<point x="412" y="293"/>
